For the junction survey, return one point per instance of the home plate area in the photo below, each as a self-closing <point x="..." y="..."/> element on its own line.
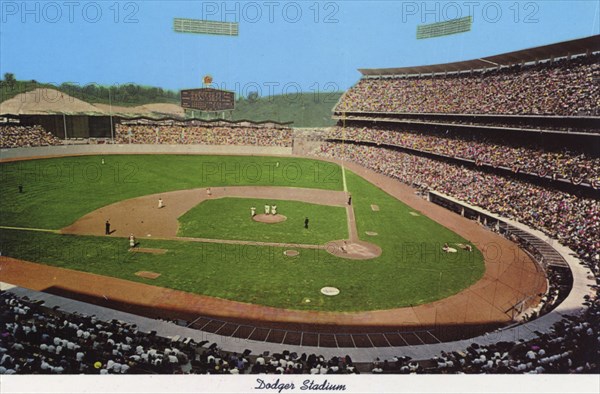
<point x="354" y="250"/>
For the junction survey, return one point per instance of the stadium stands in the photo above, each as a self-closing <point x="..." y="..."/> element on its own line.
<point x="12" y="136"/>
<point x="16" y="136"/>
<point x="163" y="134"/>
<point x="497" y="152"/>
<point x="564" y="88"/>
<point x="38" y="340"/>
<point x="509" y="123"/>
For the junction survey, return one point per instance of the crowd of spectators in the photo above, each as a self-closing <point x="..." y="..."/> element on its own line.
<point x="564" y="87"/>
<point x="573" y="220"/>
<point x="574" y="166"/>
<point x="13" y="136"/>
<point x="571" y="346"/>
<point x="514" y="123"/>
<point x="38" y="340"/>
<point x="175" y="134"/>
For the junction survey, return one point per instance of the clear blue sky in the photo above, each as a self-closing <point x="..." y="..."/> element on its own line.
<point x="90" y="42"/>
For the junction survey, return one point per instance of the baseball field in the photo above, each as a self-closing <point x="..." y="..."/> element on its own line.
<point x="206" y="242"/>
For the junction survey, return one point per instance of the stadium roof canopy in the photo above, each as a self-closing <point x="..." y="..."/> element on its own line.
<point x="562" y="49"/>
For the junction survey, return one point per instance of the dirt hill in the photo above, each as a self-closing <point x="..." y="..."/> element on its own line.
<point x="44" y="101"/>
<point x="147" y="109"/>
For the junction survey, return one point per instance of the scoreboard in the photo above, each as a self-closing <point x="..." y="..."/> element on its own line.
<point x="207" y="99"/>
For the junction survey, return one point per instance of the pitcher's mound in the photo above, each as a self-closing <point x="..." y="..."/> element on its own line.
<point x="357" y="250"/>
<point x="270" y="219"/>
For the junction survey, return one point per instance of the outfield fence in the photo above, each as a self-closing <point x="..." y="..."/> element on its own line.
<point x="109" y="149"/>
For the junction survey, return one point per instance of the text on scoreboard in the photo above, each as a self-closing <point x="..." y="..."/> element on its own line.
<point x="207" y="99"/>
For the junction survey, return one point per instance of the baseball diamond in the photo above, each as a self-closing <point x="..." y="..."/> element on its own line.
<point x="435" y="219"/>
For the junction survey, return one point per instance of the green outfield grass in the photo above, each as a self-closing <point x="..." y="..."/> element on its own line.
<point x="59" y="191"/>
<point x="412" y="269"/>
<point x="229" y="218"/>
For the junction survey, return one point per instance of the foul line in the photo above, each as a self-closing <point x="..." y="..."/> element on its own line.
<point x="344" y="178"/>
<point x="240" y="242"/>
<point x="344" y="155"/>
<point x="205" y="240"/>
<point x="42" y="230"/>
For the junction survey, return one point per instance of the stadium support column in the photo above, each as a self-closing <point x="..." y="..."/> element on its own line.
<point x="65" y="125"/>
<point x="112" y="128"/>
